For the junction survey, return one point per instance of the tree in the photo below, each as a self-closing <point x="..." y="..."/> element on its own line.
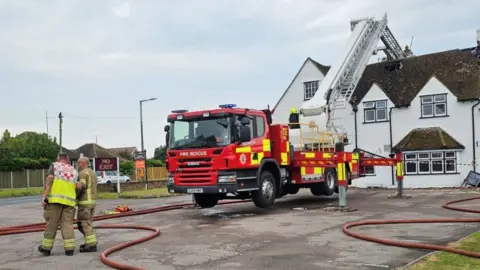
<point x="160" y="153"/>
<point x="28" y="150"/>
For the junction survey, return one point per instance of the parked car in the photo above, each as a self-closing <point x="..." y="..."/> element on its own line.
<point x="111" y="177"/>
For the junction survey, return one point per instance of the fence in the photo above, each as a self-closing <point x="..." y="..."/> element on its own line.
<point x="22" y="179"/>
<point x="36" y="178"/>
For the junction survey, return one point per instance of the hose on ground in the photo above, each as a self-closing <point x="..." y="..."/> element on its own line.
<point x="405" y="244"/>
<point x="40" y="227"/>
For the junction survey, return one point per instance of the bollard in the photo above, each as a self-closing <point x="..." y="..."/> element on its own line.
<point x="341" y="179"/>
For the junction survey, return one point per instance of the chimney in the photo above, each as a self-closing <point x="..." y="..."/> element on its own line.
<point x="478" y="37"/>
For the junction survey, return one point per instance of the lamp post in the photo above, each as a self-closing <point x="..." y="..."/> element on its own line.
<point x="141" y="138"/>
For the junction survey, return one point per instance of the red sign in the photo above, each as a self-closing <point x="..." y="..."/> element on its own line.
<point x="106" y="164"/>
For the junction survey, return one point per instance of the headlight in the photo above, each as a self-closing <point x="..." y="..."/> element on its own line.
<point x="227" y="179"/>
<point x="170" y="180"/>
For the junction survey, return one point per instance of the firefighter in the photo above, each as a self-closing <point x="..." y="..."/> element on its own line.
<point x="86" y="205"/>
<point x="59" y="201"/>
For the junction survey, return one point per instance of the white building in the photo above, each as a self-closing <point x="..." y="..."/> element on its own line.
<point x="426" y="106"/>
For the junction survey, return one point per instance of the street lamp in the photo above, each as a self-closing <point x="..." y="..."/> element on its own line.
<point x="141" y="137"/>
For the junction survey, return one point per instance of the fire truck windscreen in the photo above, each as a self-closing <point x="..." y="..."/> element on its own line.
<point x="200" y="132"/>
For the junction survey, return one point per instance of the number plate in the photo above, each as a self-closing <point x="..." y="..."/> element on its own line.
<point x="194" y="190"/>
<point x="193" y="163"/>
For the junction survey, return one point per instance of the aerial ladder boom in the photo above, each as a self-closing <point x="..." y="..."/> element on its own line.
<point x="336" y="89"/>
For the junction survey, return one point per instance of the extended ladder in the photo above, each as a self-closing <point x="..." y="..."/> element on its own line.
<point x="338" y="85"/>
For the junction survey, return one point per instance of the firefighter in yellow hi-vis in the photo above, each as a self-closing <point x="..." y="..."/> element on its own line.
<point x="86" y="205"/>
<point x="59" y="201"/>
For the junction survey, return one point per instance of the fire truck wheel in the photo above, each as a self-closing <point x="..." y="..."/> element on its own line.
<point x="206" y="200"/>
<point x="265" y="196"/>
<point x="326" y="188"/>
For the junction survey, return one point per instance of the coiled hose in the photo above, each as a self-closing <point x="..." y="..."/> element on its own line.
<point x="405" y="244"/>
<point x="40" y="227"/>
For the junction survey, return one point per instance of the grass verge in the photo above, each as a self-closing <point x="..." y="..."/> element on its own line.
<point x="131" y="194"/>
<point x="136" y="194"/>
<point x="20" y="192"/>
<point x="445" y="260"/>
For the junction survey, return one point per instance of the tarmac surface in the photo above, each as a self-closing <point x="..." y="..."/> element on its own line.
<point x="297" y="233"/>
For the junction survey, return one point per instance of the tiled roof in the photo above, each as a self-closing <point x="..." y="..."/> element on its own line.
<point x="92" y="150"/>
<point x="431" y="138"/>
<point x="124" y="152"/>
<point x="401" y="81"/>
<point x="322" y="68"/>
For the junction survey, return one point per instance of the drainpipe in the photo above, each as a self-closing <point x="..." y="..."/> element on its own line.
<point x="473" y="136"/>
<point x="391" y="140"/>
<point x="355" y="110"/>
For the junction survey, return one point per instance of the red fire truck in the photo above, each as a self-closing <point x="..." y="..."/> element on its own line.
<point x="237" y="153"/>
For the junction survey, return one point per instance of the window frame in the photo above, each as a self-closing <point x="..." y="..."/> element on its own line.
<point x="442" y="156"/>
<point x="433" y="102"/>
<point x="256" y="120"/>
<point x="310" y="89"/>
<point x="375" y="106"/>
<point x="371" y="173"/>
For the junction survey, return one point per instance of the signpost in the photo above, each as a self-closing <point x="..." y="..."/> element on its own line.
<point x="108" y="165"/>
<point x="141" y="166"/>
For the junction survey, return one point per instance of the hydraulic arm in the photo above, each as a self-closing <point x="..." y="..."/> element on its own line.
<point x="337" y="87"/>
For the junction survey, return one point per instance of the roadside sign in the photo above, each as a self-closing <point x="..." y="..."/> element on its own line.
<point x="106" y="164"/>
<point x="139" y="163"/>
<point x="140" y="172"/>
<point x="139" y="155"/>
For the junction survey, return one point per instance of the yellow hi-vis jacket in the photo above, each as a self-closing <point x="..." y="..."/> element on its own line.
<point x="63" y="188"/>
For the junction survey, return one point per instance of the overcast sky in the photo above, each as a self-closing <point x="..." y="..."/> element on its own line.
<point x="94" y="60"/>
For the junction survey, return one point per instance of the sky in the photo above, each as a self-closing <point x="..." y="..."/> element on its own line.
<point x="95" y="60"/>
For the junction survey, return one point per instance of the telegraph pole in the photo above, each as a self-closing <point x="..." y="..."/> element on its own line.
<point x="46" y="121"/>
<point x="60" y="123"/>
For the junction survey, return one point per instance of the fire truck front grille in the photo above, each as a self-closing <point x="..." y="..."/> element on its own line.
<point x="195" y="171"/>
<point x="195" y="178"/>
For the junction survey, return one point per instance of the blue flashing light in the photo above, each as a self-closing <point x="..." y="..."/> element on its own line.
<point x="227" y="106"/>
<point x="179" y="111"/>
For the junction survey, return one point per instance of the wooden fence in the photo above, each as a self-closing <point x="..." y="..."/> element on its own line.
<point x="36" y="178"/>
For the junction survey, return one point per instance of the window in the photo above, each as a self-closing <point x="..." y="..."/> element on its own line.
<point x="369" y="170"/>
<point x="375" y="111"/>
<point x="259" y="127"/>
<point x="309" y="89"/>
<point x="435" y="162"/>
<point x="434" y="105"/>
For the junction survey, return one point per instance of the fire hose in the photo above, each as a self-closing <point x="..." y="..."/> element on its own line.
<point x="39" y="227"/>
<point x="405" y="244"/>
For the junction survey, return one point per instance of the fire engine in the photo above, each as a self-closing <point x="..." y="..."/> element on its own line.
<point x="239" y="153"/>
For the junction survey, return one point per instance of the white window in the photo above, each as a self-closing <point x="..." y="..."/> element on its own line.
<point x="434" y="105"/>
<point x="450" y="162"/>
<point x="309" y="89"/>
<point x="435" y="162"/>
<point x="375" y="111"/>
<point x="410" y="163"/>
<point x="369" y="170"/>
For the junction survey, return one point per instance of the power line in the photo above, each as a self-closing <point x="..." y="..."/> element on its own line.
<point x="71" y="116"/>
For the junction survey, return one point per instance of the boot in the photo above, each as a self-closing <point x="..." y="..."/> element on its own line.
<point x="85" y="248"/>
<point x="45" y="252"/>
<point x="69" y="252"/>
